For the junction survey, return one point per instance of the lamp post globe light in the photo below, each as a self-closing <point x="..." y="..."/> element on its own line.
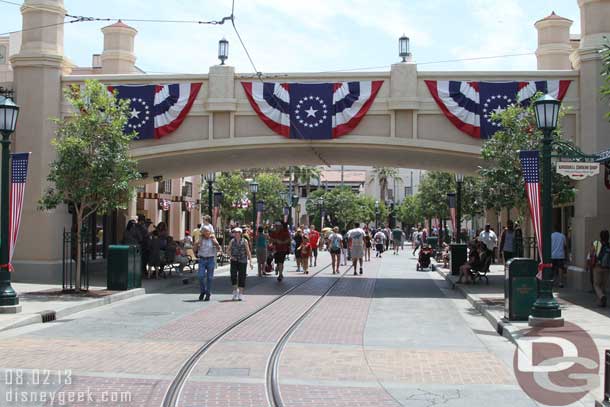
<point x="223" y="50"/>
<point x="403" y="48"/>
<point x="321" y="208"/>
<point x="9" y="112"/>
<point x="254" y="190"/>
<point x="459" y="180"/>
<point x="210" y="177"/>
<point x="546" y="311"/>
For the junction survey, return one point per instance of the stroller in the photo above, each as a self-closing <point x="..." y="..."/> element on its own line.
<point x="424" y="260"/>
<point x="269" y="263"/>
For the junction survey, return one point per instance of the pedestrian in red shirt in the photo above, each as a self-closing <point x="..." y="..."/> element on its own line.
<point x="280" y="238"/>
<point x="314" y="240"/>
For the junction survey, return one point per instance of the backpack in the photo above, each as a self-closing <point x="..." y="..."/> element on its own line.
<point x="335" y="243"/>
<point x="604" y="256"/>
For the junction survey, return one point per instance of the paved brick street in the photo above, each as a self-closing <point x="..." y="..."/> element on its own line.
<point x="391" y="337"/>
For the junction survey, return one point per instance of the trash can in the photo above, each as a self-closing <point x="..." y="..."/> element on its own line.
<point x="123" y="270"/>
<point x="457" y="257"/>
<point x="520" y="288"/>
<point x="433" y="242"/>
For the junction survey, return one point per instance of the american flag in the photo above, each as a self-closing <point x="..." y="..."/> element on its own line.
<point x="530" y="164"/>
<point x="19" y="173"/>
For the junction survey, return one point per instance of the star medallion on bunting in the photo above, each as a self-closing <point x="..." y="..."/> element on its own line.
<point x="315" y="117"/>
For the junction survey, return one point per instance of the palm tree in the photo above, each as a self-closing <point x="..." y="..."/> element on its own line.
<point x="384" y="175"/>
<point x="305" y="174"/>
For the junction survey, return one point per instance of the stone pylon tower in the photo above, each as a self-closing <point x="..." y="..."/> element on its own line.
<point x="592" y="209"/>
<point x="37" y="81"/>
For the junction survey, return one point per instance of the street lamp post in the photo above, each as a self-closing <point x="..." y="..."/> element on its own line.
<point x="403" y="48"/>
<point x="254" y="190"/>
<point x="459" y="180"/>
<point x="376" y="214"/>
<point x="546" y="310"/>
<point x="210" y="177"/>
<point x="297" y="210"/>
<point x="9" y="112"/>
<point x="223" y="50"/>
<point x="321" y="208"/>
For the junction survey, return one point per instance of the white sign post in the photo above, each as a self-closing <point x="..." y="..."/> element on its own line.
<point x="577" y="170"/>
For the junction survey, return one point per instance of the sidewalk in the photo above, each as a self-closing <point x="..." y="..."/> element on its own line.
<point x="577" y="307"/>
<point x="47" y="299"/>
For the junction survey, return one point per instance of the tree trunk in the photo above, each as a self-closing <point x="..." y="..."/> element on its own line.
<point x="79" y="226"/>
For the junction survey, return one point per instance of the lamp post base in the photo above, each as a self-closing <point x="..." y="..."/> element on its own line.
<point x="10" y="309"/>
<point x="540" y="322"/>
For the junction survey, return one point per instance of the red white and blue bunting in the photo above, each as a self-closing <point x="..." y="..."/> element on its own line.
<point x="469" y="105"/>
<point x="312" y="111"/>
<point x="157" y="110"/>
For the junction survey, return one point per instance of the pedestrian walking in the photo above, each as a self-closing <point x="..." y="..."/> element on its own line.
<point x="379" y="242"/>
<point x="388" y="235"/>
<point x="396" y="239"/>
<point x="417" y="240"/>
<point x="559" y="248"/>
<point x="239" y="250"/>
<point x="356" y="239"/>
<point x="344" y="248"/>
<point x="367" y="245"/>
<point x="305" y="250"/>
<point x="261" y="243"/>
<point x="207" y="247"/>
<point x="298" y="242"/>
<point x="507" y="241"/>
<point x="314" y="242"/>
<point x="335" y="244"/>
<point x="280" y="238"/>
<point x="600" y="261"/>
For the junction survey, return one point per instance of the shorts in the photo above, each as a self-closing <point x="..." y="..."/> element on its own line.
<point x="279" y="257"/>
<point x="379" y="247"/>
<point x="558" y="264"/>
<point x="397" y="242"/>
<point x="335" y="251"/>
<point x="238" y="274"/>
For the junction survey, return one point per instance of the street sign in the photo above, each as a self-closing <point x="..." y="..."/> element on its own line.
<point x="577" y="170"/>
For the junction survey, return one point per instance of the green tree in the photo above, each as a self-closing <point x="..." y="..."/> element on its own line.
<point x="432" y="194"/>
<point x="234" y="188"/>
<point x="304" y="174"/>
<point x="384" y="175"/>
<point x="502" y="183"/>
<point x="93" y="171"/>
<point x="409" y="211"/>
<point x="269" y="185"/>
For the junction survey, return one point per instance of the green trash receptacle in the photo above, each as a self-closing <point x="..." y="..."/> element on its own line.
<point x="433" y="242"/>
<point x="520" y="288"/>
<point x="457" y="257"/>
<point x="123" y="270"/>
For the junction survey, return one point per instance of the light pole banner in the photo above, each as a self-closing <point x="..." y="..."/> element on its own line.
<point x="19" y="174"/>
<point x="530" y="168"/>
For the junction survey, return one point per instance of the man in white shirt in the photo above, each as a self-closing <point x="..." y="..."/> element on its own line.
<point x="558" y="256"/>
<point x="489" y="239"/>
<point x="356" y="238"/>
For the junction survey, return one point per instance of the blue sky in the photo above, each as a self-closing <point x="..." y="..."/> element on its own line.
<point x="316" y="35"/>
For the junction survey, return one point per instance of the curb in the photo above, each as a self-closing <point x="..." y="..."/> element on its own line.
<point x="37" y="318"/>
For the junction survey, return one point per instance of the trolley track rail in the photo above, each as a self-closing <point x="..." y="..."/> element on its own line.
<point x="172" y="395"/>
<point x="272" y="387"/>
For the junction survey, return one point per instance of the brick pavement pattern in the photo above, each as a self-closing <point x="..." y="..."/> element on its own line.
<point x="235" y="355"/>
<point x="118" y="356"/>
<point x="341" y="317"/>
<point x="323" y="396"/>
<point x="200" y="394"/>
<point x="112" y="392"/>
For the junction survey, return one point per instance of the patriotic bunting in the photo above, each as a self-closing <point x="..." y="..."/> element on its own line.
<point x="470" y="105"/>
<point x="157" y="110"/>
<point x="312" y="111"/>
